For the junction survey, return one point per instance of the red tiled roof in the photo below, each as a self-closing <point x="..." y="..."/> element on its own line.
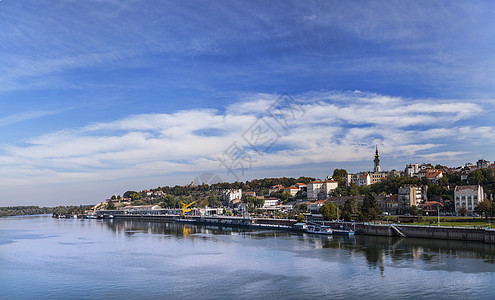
<point x="393" y="197"/>
<point x="466" y="187"/>
<point x="431" y="205"/>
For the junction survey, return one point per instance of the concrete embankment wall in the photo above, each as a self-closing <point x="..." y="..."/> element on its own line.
<point x="364" y="228"/>
<point x="428" y="232"/>
<point x="148" y="218"/>
<point x="285" y="222"/>
<point x="455" y="233"/>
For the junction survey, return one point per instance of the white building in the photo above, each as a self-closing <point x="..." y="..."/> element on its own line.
<point x="271" y="202"/>
<point x="321" y="189"/>
<point x="482" y="164"/>
<point x="411" y="169"/>
<point x="468" y="196"/>
<point x="314" y="207"/>
<point x="292" y="190"/>
<point x="431" y="174"/>
<point x="231" y="195"/>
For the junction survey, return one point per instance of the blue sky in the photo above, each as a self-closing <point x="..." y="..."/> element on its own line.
<point x="99" y="97"/>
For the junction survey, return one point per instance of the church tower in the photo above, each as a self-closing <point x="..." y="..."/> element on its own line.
<point x="377" y="161"/>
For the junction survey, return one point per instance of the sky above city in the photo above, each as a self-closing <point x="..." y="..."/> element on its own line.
<point x="104" y="96"/>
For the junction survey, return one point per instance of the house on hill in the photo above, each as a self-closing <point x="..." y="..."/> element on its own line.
<point x="468" y="196"/>
<point x="320" y="189"/>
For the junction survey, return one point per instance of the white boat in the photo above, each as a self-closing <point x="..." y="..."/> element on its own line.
<point x="342" y="231"/>
<point x="326" y="230"/>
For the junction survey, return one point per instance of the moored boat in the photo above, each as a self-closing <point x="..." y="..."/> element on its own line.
<point x="326" y="230"/>
<point x="342" y="231"/>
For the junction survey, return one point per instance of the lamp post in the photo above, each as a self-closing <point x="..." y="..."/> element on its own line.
<point x="438" y="214"/>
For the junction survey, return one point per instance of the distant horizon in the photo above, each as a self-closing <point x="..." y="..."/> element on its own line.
<point x="354" y="170"/>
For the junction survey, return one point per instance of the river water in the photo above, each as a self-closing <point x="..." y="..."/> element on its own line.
<point x="45" y="258"/>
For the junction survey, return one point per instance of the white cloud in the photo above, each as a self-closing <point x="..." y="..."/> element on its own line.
<point x="335" y="127"/>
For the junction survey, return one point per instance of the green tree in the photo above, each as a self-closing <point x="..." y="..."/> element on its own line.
<point x="128" y="194"/>
<point x="414" y="211"/>
<point x="340" y="175"/>
<point x="484" y="208"/>
<point x="463" y="211"/>
<point x="329" y="211"/>
<point x="110" y="206"/>
<point x="369" y="208"/>
<point x="300" y="218"/>
<point x="282" y="195"/>
<point x="213" y="200"/>
<point x="346" y="216"/>
<point x="350" y="206"/>
<point x="256" y="202"/>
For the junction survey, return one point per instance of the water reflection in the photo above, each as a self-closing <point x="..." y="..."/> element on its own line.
<point x="95" y="259"/>
<point x="378" y="251"/>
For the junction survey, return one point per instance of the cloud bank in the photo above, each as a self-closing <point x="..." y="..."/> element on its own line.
<point x="334" y="127"/>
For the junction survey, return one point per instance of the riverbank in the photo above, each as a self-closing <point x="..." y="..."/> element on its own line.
<point x="484" y="235"/>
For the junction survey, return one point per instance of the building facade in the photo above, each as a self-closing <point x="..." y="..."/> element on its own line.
<point x="231" y="195"/>
<point x="468" y="196"/>
<point x="320" y="189"/>
<point x="410" y="195"/>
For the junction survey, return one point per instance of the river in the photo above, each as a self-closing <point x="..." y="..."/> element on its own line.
<point x="45" y="258"/>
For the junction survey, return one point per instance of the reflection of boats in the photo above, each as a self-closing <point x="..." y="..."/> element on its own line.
<point x="319" y="229"/>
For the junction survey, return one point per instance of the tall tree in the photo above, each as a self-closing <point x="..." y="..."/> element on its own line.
<point x="484" y="208"/>
<point x="369" y="208"/>
<point x="340" y="175"/>
<point x="329" y="211"/>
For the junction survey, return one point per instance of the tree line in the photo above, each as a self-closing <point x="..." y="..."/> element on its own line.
<point x="24" y="210"/>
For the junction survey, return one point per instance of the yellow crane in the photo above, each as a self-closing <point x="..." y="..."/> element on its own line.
<point x="185" y="208"/>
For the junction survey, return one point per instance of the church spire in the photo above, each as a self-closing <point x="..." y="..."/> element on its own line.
<point x="377" y="160"/>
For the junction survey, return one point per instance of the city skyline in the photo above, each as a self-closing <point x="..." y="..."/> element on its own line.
<point x="100" y="97"/>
